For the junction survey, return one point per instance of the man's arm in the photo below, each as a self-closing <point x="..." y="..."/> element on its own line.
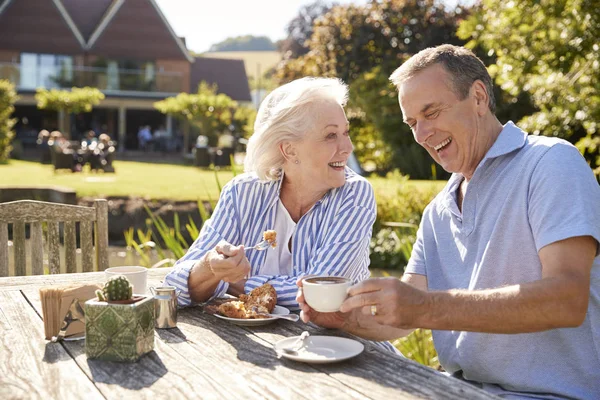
<point x="558" y="300"/>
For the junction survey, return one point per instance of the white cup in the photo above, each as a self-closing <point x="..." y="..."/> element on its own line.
<point x="137" y="276"/>
<point x="325" y="293"/>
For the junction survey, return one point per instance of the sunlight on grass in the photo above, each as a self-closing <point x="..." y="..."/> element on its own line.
<point x="147" y="180"/>
<point x="153" y="181"/>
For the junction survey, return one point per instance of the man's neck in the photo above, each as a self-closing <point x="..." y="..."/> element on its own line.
<point x="488" y="133"/>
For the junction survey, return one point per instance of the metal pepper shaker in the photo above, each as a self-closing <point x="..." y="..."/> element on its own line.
<point x="165" y="306"/>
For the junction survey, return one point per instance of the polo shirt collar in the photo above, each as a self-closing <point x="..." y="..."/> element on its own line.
<point x="511" y="138"/>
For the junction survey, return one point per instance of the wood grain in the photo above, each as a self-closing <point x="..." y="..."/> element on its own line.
<point x="35" y="212"/>
<point x="204" y="357"/>
<point x="3" y="249"/>
<point x="37" y="248"/>
<point x="30" y="367"/>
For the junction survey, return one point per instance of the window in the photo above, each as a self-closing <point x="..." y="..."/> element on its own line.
<point x="46" y="70"/>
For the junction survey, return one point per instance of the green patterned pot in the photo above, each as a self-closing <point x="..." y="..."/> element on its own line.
<point x="119" y="332"/>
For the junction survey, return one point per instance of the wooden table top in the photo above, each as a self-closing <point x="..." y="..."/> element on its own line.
<point x="204" y="357"/>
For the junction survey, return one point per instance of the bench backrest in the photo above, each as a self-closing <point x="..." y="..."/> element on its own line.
<point x="93" y="223"/>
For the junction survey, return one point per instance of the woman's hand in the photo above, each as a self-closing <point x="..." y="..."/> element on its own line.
<point x="228" y="262"/>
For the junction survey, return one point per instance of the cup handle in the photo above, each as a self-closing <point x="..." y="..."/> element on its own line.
<point x="152" y="291"/>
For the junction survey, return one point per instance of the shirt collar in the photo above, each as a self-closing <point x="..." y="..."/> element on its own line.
<point x="511" y="138"/>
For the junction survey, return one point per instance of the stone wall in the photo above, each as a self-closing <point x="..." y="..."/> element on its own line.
<point x="54" y="194"/>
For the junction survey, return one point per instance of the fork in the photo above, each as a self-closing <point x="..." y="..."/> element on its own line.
<point x="262" y="245"/>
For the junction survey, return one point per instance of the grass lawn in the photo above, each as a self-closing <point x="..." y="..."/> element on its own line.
<point x="140" y="179"/>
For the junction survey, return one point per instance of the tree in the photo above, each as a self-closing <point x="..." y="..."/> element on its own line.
<point x="300" y="29"/>
<point x="8" y="97"/>
<point x="548" y="49"/>
<point x="363" y="45"/>
<point x="245" y="43"/>
<point x="77" y="100"/>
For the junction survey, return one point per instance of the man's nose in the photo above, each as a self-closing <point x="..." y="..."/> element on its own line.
<point x="422" y="131"/>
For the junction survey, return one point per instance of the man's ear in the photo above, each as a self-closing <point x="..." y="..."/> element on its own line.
<point x="288" y="151"/>
<point x="481" y="96"/>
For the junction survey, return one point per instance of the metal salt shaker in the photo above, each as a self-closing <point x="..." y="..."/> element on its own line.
<point x="165" y="306"/>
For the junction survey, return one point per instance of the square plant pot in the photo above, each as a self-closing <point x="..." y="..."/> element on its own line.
<point x="119" y="332"/>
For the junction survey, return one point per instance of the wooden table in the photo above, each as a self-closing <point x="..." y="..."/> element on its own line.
<point x="204" y="357"/>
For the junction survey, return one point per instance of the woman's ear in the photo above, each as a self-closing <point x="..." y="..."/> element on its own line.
<point x="288" y="151"/>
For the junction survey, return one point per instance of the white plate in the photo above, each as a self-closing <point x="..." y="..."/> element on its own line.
<point x="321" y="349"/>
<point x="256" y="322"/>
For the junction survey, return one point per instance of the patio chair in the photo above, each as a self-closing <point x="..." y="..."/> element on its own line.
<point x="92" y="221"/>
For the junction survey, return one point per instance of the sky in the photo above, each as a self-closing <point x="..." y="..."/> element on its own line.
<point x="206" y="22"/>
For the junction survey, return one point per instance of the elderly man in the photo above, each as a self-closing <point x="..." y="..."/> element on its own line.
<point x="505" y="268"/>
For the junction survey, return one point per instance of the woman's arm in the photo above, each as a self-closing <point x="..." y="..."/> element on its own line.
<point x="190" y="275"/>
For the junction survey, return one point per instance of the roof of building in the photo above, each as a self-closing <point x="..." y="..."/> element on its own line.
<point x="37" y="26"/>
<point x="229" y="76"/>
<point x="135" y="28"/>
<point x="87" y="14"/>
<point x="112" y="28"/>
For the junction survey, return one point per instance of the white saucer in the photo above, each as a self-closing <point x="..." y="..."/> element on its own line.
<point x="321" y="349"/>
<point x="259" y="321"/>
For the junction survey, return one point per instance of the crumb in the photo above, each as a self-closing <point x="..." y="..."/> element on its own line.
<point x="270" y="237"/>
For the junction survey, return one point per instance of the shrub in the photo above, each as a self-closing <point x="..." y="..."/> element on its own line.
<point x="8" y="97"/>
<point x="398" y="217"/>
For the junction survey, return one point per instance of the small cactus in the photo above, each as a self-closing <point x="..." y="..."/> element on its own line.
<point x="115" y="289"/>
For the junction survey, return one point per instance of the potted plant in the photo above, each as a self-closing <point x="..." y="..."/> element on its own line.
<point x="119" y="326"/>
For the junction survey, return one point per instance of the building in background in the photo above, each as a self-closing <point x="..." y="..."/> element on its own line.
<point x="125" y="48"/>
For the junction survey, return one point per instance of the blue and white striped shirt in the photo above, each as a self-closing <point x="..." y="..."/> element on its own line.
<point x="332" y="238"/>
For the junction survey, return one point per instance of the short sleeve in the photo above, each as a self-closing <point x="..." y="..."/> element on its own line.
<point x="417" y="264"/>
<point x="564" y="197"/>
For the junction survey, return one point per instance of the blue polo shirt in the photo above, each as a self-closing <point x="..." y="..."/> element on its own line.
<point x="527" y="192"/>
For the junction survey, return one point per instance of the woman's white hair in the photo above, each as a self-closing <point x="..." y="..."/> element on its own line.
<point x="287" y="114"/>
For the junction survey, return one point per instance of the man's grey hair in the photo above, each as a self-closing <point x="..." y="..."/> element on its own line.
<point x="286" y="115"/>
<point x="461" y="64"/>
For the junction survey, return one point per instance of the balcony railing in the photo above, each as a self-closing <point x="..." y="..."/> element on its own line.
<point x="106" y="79"/>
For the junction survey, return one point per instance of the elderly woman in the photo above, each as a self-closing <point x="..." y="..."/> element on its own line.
<point x="297" y="183"/>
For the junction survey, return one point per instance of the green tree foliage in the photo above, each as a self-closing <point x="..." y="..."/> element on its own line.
<point x="8" y="97"/>
<point x="300" y="29"/>
<point x="245" y="43"/>
<point x="363" y="45"/>
<point x="550" y="50"/>
<point x="77" y="100"/>
<point x="209" y="111"/>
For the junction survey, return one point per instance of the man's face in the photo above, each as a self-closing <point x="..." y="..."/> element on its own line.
<point x="448" y="128"/>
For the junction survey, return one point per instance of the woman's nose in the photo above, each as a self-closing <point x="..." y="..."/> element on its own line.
<point x="347" y="146"/>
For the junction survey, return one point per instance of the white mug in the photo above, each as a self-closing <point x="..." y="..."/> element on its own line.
<point x="325" y="293"/>
<point x="137" y="276"/>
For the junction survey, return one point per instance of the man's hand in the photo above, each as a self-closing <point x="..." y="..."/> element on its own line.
<point x="398" y="304"/>
<point x="334" y="320"/>
<point x="228" y="262"/>
<point x="356" y="321"/>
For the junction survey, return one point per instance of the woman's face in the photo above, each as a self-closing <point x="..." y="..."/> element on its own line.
<point x="324" y="151"/>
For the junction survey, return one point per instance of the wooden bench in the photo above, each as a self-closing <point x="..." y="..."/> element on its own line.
<point x="35" y="213"/>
